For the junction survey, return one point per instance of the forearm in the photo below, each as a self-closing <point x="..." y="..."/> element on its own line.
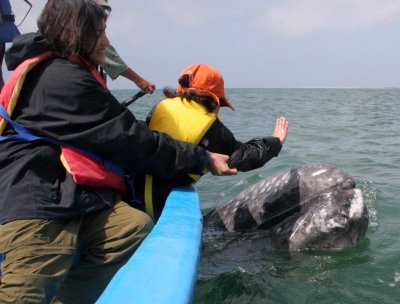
<point x="161" y="155"/>
<point x="114" y="66"/>
<point x="255" y="153"/>
<point x="133" y="76"/>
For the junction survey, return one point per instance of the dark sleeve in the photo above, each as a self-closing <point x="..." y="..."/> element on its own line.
<point x="243" y="156"/>
<point x="255" y="153"/>
<point x="68" y="104"/>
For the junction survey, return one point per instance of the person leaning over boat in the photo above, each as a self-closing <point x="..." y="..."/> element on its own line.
<point x="8" y="31"/>
<point x="115" y="66"/>
<point x="51" y="209"/>
<point x="190" y="113"/>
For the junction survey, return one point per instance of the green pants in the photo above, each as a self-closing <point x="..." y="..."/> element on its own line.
<point x="39" y="264"/>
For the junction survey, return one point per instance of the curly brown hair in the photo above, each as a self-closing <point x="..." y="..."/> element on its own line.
<point x="71" y="26"/>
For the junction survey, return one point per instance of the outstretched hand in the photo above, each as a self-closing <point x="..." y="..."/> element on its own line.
<point x="281" y="129"/>
<point x="218" y="165"/>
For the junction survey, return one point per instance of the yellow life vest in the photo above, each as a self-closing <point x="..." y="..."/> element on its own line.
<point x="182" y="119"/>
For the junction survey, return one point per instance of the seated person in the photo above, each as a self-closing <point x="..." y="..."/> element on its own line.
<point x="190" y="113"/>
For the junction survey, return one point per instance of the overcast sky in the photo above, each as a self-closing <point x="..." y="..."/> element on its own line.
<point x="255" y="43"/>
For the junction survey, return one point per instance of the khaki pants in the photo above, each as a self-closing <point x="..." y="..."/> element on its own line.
<point x="39" y="255"/>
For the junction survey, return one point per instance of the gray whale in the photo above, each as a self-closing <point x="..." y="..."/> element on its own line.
<point x="314" y="206"/>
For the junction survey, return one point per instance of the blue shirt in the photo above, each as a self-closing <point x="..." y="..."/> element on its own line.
<point x="8" y="30"/>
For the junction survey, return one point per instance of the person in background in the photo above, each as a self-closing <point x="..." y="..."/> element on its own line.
<point x="115" y="66"/>
<point x="64" y="230"/>
<point x="8" y="31"/>
<point x="190" y="113"/>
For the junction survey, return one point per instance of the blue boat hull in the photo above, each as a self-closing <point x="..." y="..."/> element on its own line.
<point x="164" y="268"/>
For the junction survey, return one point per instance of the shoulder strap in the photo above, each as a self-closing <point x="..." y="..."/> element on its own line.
<point x="8" y="99"/>
<point x="25" y="135"/>
<point x="10" y="92"/>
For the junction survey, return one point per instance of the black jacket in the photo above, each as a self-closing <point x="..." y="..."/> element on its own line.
<point x="64" y="101"/>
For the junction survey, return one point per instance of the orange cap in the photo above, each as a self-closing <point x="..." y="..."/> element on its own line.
<point x="205" y="80"/>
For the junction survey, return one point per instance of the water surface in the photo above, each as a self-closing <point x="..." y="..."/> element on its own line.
<point x="355" y="129"/>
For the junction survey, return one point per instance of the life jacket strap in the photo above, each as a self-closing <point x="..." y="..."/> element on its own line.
<point x="24" y="134"/>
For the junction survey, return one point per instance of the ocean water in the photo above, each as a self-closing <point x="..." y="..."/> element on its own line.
<point x="355" y="129"/>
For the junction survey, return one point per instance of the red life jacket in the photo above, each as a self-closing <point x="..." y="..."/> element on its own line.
<point x="86" y="169"/>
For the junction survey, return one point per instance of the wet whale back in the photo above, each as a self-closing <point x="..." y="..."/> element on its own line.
<point x="277" y="196"/>
<point x="314" y="206"/>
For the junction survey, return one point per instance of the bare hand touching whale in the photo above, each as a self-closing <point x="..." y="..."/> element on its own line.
<point x="281" y="129"/>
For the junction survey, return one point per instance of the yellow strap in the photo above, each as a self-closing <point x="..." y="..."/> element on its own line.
<point x="148" y="195"/>
<point x="195" y="177"/>
<point x="65" y="163"/>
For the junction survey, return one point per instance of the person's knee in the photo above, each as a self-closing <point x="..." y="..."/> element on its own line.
<point x="144" y="220"/>
<point x="141" y="223"/>
<point x="138" y="222"/>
